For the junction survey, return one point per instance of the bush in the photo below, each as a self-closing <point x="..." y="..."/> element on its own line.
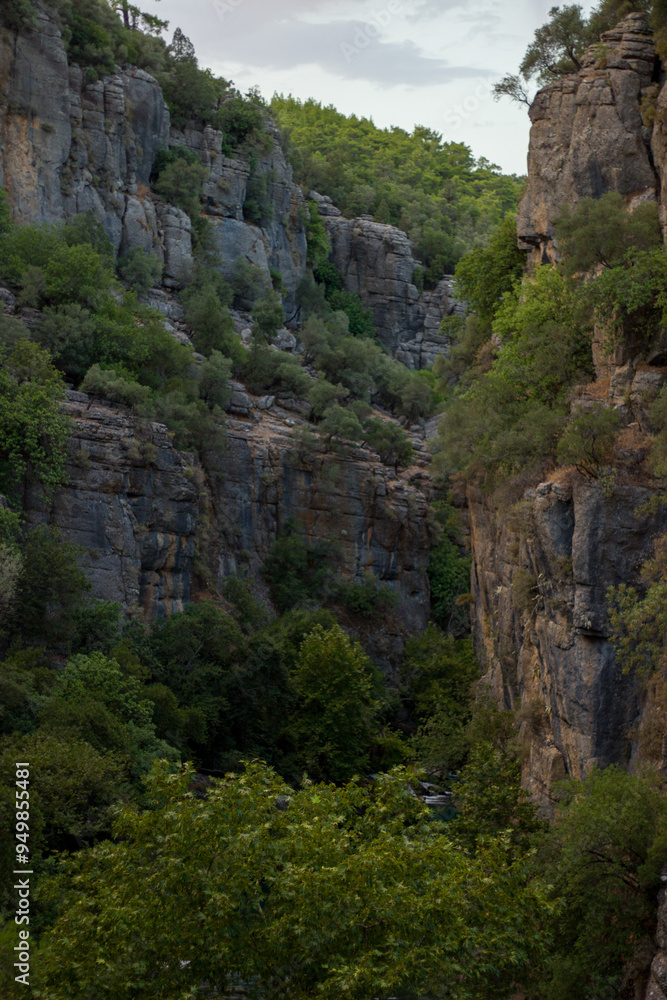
<point x="202" y="656"/>
<point x="368" y="599"/>
<point x="323" y="394"/>
<point x="510" y="417"/>
<point x="638" y="615"/>
<point x="33" y="431"/>
<point x="588" y="442"/>
<point x="268" y="370"/>
<point x="319" y="244"/>
<point x="248" y="283"/>
<point x="601" y="231"/>
<point x="258" y="204"/>
<point x="603" y="857"/>
<point x="195" y="426"/>
<point x="191" y="93"/>
<point x="438" y="677"/>
<point x="180" y="184"/>
<point x="139" y="269"/>
<point x="73" y="789"/>
<point x="525" y="591"/>
<point x="212" y="324"/>
<point x="389" y="440"/>
<point x="214" y="375"/>
<point x="407" y="393"/>
<point x="18" y="15"/>
<point x="296" y="572"/>
<point x="361" y="319"/>
<point x="108" y="384"/>
<point x="449" y="574"/>
<point x="487" y="273"/>
<point x="94" y="700"/>
<point x="52" y="590"/>
<point x="340" y="423"/>
<point x="335" y="719"/>
<point x="242" y="121"/>
<point x="490" y="800"/>
<point x="268" y="314"/>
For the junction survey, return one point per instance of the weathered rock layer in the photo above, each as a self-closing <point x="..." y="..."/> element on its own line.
<point x="589" y="134"/>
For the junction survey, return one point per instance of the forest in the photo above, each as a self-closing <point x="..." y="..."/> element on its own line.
<point x="231" y="801"/>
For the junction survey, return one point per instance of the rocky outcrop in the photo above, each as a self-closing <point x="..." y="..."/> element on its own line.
<point x="143" y="511"/>
<point x="280" y="242"/>
<point x="377" y="262"/>
<point x="68" y="146"/>
<point x="131" y="503"/>
<point x="588" y="134"/>
<point x="541" y="570"/>
<point x="376" y="517"/>
<point x="657" y="986"/>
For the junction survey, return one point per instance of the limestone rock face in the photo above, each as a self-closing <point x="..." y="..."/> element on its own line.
<point x="540" y="576"/>
<point x="376" y="518"/>
<point x="588" y="135"/>
<point x="130" y="502"/>
<point x="377" y="262"/>
<point x="136" y="505"/>
<point x="280" y="241"/>
<point x="67" y="146"/>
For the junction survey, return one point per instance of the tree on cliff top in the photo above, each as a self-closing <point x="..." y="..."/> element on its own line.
<point x="133" y="18"/>
<point x="558" y="45"/>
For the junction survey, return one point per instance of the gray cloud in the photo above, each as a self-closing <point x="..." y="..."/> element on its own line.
<point x="272" y="36"/>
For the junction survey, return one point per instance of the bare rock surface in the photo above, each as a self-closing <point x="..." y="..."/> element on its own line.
<point x="377" y="262"/>
<point x="131" y="503"/>
<point x="541" y="570"/>
<point x="588" y="136"/>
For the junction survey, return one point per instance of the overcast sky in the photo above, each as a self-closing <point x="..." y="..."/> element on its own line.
<point x="399" y="62"/>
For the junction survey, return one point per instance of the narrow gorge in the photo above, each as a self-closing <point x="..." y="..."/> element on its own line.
<point x="333" y="508"/>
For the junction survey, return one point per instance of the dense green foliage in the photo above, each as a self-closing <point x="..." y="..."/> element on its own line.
<point x="33" y="432"/>
<point x="449" y="573"/>
<point x="528" y="344"/>
<point x="638" y="615"/>
<point x="603" y="857"/>
<point x="102" y="338"/>
<point x="512" y="413"/>
<point x="308" y="868"/>
<point x="435" y="191"/>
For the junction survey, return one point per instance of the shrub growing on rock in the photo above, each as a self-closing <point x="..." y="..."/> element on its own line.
<point x="588" y="442"/>
<point x="139" y="269"/>
<point x="108" y="384"/>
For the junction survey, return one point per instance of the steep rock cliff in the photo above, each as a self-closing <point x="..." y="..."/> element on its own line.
<point x="378" y="263"/>
<point x="130" y="501"/>
<point x="541" y="570"/>
<point x="145" y="512"/>
<point x="588" y="134"/>
<point x="67" y="146"/>
<point x="543" y="563"/>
